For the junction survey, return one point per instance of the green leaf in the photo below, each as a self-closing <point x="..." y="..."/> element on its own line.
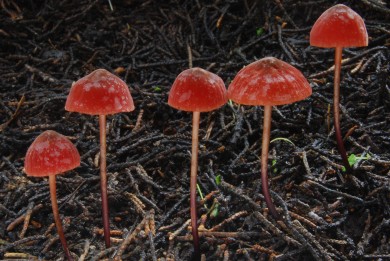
<point x="201" y="194"/>
<point x="215" y="211"/>
<point x="199" y="191"/>
<point x="156" y="89"/>
<point x="283" y="139"/>
<point x="352" y="159"/>
<point x="259" y="31"/>
<point x="273" y="162"/>
<point x="273" y="165"/>
<point x="218" y="179"/>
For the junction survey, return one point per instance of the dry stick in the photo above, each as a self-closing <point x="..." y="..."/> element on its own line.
<point x="306" y="164"/>
<point x="311" y="238"/>
<point x="303" y="220"/>
<point x="139" y="206"/>
<point x="268" y="225"/>
<point x="150" y="230"/>
<point x="138" y="122"/>
<point x="103" y="180"/>
<point x="264" y="161"/>
<point x="27" y="219"/>
<point x="228" y="220"/>
<point x="86" y="250"/>
<point x="21" y="242"/>
<point x="275" y="230"/>
<point x="194" y="168"/>
<point x="174" y="234"/>
<point x="336" y="192"/>
<point x="19" y="256"/>
<point x="57" y="220"/>
<point x="219" y="234"/>
<point x="189" y="51"/>
<point x="6" y="210"/>
<point x="336" y="109"/>
<point x="152" y="247"/>
<point x="131" y="236"/>
<point x="99" y="256"/>
<point x="49" y="229"/>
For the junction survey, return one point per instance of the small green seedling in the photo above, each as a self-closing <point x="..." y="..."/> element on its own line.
<point x="259" y="31"/>
<point x="218" y="179"/>
<point x="353" y="159"/>
<point x="156" y="89"/>
<point x="274" y="160"/>
<point x="214" y="210"/>
<point x="111" y="7"/>
<point x="283" y="139"/>
<point x="273" y="166"/>
<point x="201" y="194"/>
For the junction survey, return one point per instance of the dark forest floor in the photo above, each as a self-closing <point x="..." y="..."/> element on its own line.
<point x="46" y="46"/>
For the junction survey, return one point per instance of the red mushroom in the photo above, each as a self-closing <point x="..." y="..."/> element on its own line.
<point x="49" y="155"/>
<point x="100" y="93"/>
<point x="268" y="82"/>
<point x="196" y="90"/>
<point x="339" y="27"/>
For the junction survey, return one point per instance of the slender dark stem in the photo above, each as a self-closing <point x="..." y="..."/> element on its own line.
<point x="194" y="170"/>
<point x="57" y="220"/>
<point x="336" y="108"/>
<point x="264" y="160"/>
<point x="103" y="180"/>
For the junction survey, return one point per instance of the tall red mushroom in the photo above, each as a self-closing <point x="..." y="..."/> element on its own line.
<point x="268" y="82"/>
<point x="339" y="27"/>
<point x="50" y="154"/>
<point x="101" y="93"/>
<point x="196" y="90"/>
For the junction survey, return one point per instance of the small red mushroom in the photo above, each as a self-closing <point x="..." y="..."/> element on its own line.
<point x="196" y="90"/>
<point x="268" y="82"/>
<point x="49" y="155"/>
<point x="100" y="93"/>
<point x="339" y="27"/>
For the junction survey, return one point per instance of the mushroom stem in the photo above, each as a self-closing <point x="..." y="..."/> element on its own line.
<point x="336" y="108"/>
<point x="103" y="180"/>
<point x="57" y="220"/>
<point x="194" y="170"/>
<point x="264" y="160"/>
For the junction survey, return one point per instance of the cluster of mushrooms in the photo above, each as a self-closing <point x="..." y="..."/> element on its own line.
<point x="267" y="82"/>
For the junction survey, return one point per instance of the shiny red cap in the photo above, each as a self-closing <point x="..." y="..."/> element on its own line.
<point x="339" y="26"/>
<point x="268" y="81"/>
<point x="50" y="154"/>
<point x="99" y="93"/>
<point x="196" y="89"/>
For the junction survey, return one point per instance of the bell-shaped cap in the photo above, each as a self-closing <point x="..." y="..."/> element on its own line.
<point x="99" y="93"/>
<point x="196" y="89"/>
<point x="50" y="154"/>
<point x="339" y="26"/>
<point x="268" y="81"/>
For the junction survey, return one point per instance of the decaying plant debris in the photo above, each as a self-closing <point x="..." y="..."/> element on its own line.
<point x="44" y="47"/>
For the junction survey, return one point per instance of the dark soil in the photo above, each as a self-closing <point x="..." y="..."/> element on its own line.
<point x="328" y="215"/>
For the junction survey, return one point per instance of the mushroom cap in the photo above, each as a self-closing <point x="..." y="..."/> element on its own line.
<point x="50" y="154"/>
<point x="339" y="26"/>
<point x="99" y="93"/>
<point x="196" y="89"/>
<point x="268" y="81"/>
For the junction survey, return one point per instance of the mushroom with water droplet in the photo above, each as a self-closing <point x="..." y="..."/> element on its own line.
<point x="268" y="82"/>
<point x="101" y="93"/>
<point x="49" y="155"/>
<point x="339" y="27"/>
<point x="196" y="90"/>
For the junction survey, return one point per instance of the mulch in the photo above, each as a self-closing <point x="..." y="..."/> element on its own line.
<point x="46" y="45"/>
